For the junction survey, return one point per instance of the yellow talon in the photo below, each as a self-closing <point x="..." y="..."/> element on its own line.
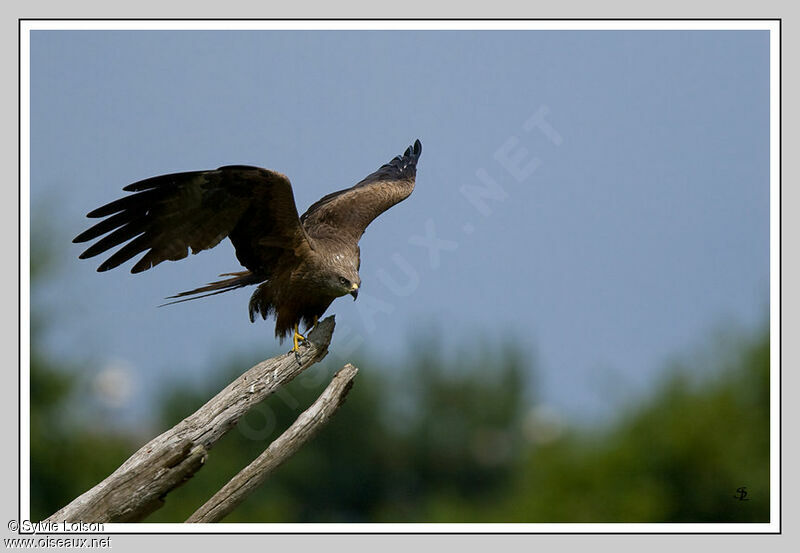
<point x="296" y="339"/>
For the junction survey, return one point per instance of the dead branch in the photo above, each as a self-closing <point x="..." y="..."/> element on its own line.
<point x="302" y="430"/>
<point x="139" y="486"/>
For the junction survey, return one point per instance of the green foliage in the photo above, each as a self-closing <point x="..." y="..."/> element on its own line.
<point x="372" y="462"/>
<point x="680" y="456"/>
<point x="444" y="440"/>
<point x="66" y="458"/>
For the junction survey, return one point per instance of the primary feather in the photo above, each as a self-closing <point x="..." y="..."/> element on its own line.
<point x="301" y="264"/>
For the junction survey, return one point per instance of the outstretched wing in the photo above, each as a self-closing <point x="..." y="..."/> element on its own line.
<point x="170" y="214"/>
<point x="348" y="212"/>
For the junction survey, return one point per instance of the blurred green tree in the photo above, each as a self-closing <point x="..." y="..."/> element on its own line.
<point x="443" y="440"/>
<point x="373" y="461"/>
<point x="65" y="458"/>
<point x="680" y="455"/>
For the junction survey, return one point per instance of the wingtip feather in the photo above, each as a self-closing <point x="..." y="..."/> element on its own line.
<point x="414" y="150"/>
<point x="99" y="212"/>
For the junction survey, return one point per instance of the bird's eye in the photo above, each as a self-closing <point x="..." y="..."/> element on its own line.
<point x="344" y="281"/>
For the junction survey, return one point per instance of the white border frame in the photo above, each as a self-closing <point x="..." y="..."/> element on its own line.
<point x="771" y="25"/>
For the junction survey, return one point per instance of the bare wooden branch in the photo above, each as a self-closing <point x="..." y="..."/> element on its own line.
<point x="139" y="485"/>
<point x="302" y="430"/>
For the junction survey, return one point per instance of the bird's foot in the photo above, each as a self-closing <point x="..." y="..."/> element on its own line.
<point x="296" y="339"/>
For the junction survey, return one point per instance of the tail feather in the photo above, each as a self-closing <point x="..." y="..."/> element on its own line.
<point x="239" y="280"/>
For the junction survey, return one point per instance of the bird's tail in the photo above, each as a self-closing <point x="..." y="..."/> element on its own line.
<point x="238" y="280"/>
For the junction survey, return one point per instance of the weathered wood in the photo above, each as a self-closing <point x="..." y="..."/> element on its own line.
<point x="302" y="430"/>
<point x="139" y="485"/>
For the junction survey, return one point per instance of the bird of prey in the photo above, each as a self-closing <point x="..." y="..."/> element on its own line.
<point x="300" y="264"/>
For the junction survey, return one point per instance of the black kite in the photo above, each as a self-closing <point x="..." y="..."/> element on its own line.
<point x="301" y="264"/>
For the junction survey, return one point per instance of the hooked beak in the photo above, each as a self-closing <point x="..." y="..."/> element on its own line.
<point x="354" y="292"/>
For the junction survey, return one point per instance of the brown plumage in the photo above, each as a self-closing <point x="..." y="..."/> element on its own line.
<point x="301" y="264"/>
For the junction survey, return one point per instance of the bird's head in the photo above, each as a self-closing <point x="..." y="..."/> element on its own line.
<point x="349" y="285"/>
<point x="343" y="276"/>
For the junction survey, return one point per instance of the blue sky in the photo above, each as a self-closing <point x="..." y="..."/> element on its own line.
<point x="598" y="198"/>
